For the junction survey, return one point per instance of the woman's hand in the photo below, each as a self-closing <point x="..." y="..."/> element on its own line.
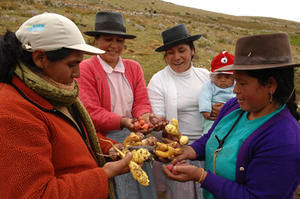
<point x="113" y="153"/>
<point x="188" y="153"/>
<point x="158" y="122"/>
<point x="119" y="167"/>
<point x="126" y="122"/>
<point x="184" y="172"/>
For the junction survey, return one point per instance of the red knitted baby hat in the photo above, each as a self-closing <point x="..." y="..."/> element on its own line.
<point x="222" y="59"/>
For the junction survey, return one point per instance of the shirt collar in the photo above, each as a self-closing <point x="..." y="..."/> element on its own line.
<point x="108" y="69"/>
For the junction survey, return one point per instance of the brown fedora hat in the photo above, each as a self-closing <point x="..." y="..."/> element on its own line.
<point x="174" y="36"/>
<point x="109" y="23"/>
<point x="261" y="52"/>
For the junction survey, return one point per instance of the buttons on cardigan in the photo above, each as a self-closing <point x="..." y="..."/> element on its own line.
<point x="242" y="169"/>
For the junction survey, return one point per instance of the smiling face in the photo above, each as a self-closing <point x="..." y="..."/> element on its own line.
<point x="252" y="96"/>
<point x="179" y="57"/>
<point x="113" y="46"/>
<point x="63" y="71"/>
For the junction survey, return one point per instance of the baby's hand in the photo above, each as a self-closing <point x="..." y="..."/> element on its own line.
<point x="206" y="115"/>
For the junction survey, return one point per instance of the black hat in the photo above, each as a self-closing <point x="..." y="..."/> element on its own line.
<point x="261" y="52"/>
<point x="109" y="23"/>
<point x="174" y="36"/>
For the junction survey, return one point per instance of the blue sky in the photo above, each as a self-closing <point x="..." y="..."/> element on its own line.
<point x="287" y="9"/>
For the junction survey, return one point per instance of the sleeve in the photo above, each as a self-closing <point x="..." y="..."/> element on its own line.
<point x="141" y="102"/>
<point x="105" y="146"/>
<point x="157" y="96"/>
<point x="26" y="168"/>
<point x="205" y="98"/>
<point x="92" y="99"/>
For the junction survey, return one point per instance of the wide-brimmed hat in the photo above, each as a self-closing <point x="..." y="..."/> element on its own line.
<point x="50" y="31"/>
<point x="109" y="23"/>
<point x="174" y="36"/>
<point x="262" y="52"/>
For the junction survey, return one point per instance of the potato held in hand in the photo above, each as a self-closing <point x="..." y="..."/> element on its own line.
<point x="136" y="171"/>
<point x="183" y="140"/>
<point x="167" y="151"/>
<point x="173" y="129"/>
<point x="171" y="168"/>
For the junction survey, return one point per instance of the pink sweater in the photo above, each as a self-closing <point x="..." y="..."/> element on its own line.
<point x="95" y="93"/>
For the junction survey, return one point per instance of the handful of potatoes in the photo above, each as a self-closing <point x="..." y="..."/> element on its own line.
<point x="161" y="150"/>
<point x="154" y="123"/>
<point x="171" y="149"/>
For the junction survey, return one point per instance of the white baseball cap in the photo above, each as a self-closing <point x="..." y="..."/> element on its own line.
<point x="50" y="31"/>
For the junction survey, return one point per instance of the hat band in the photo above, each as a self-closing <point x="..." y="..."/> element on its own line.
<point x="257" y="60"/>
<point x="110" y="26"/>
<point x="175" y="37"/>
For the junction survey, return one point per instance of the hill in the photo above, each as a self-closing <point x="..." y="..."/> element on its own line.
<point x="148" y="18"/>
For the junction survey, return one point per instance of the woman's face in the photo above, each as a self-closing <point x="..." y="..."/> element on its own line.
<point x="64" y="71"/>
<point x="252" y="96"/>
<point x="113" y="46"/>
<point x="179" y="57"/>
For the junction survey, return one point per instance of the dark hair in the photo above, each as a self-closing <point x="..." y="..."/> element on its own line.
<point x="285" y="92"/>
<point x="11" y="54"/>
<point x="190" y="44"/>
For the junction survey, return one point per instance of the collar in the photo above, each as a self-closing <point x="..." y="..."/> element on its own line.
<point x="108" y="69"/>
<point x="182" y="74"/>
<point x="30" y="94"/>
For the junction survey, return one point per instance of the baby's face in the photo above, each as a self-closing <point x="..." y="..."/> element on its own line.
<point x="223" y="80"/>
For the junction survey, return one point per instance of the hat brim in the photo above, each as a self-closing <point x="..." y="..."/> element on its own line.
<point x="176" y="42"/>
<point x="122" y="34"/>
<point x="255" y="67"/>
<point x="88" y="49"/>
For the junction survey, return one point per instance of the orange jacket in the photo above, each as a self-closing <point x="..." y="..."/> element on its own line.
<point x="41" y="154"/>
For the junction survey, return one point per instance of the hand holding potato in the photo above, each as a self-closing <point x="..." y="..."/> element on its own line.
<point x="188" y="154"/>
<point x="113" y="152"/>
<point x="119" y="167"/>
<point x="126" y="122"/>
<point x="183" y="172"/>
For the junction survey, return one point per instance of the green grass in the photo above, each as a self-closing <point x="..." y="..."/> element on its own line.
<point x="295" y="39"/>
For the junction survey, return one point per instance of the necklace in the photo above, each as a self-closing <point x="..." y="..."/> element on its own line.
<point x="222" y="141"/>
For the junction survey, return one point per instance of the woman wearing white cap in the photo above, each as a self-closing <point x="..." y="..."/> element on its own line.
<point x="48" y="144"/>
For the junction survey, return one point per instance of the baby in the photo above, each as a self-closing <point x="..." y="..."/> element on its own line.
<point x="218" y="90"/>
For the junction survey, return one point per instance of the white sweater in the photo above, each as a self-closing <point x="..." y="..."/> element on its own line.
<point x="175" y="95"/>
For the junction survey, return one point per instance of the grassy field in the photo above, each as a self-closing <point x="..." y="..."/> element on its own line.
<point x="148" y="18"/>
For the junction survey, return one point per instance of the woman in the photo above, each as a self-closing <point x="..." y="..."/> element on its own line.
<point x="49" y="147"/>
<point x="252" y="150"/>
<point x="113" y="91"/>
<point x="173" y="93"/>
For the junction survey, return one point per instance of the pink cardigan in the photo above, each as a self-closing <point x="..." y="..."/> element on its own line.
<point x="95" y="93"/>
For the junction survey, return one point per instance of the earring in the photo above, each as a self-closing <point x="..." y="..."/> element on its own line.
<point x="271" y="98"/>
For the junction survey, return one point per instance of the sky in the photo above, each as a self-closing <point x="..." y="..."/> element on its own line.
<point x="282" y="9"/>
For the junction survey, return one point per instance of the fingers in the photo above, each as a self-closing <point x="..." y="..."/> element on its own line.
<point x="178" y="159"/>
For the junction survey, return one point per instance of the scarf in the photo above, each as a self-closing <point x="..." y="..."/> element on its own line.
<point x="61" y="95"/>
